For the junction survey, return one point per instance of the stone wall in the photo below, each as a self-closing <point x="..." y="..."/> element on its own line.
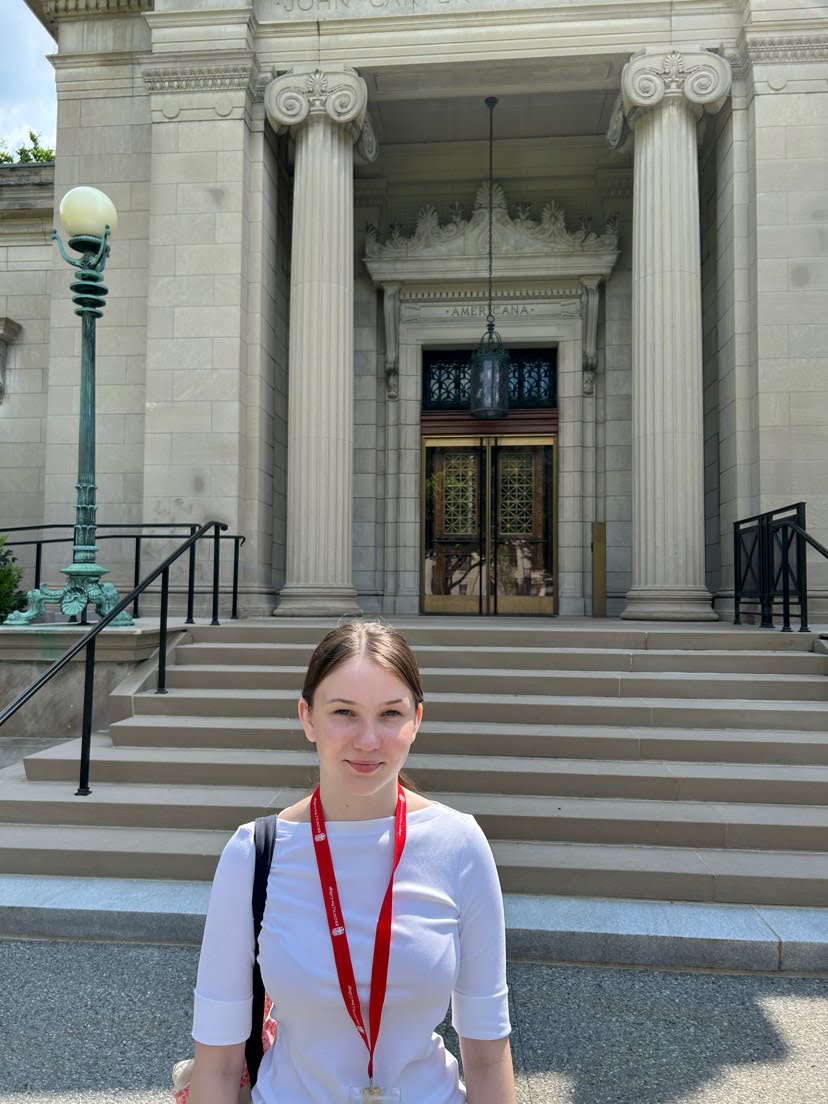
<point x="263" y="367"/>
<point x="790" y="114"/>
<point x="275" y="315"/>
<point x="369" y="452"/>
<point x="708" y="211"/>
<point x="55" y="713"/>
<point x="25" y="259"/>
<point x="370" y="404"/>
<point x="616" y="389"/>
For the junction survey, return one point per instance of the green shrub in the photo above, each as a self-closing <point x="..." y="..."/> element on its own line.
<point x="10" y="575"/>
<point x="26" y="155"/>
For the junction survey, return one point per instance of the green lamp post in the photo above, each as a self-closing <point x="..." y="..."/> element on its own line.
<point x="88" y="217"/>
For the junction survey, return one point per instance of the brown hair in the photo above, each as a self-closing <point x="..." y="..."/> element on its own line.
<point x="372" y="640"/>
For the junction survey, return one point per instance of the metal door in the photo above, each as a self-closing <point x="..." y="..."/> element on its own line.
<point x="488" y="525"/>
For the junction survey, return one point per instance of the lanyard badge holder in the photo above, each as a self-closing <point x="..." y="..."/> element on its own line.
<point x="373" y="1094"/>
<point x="370" y="1093"/>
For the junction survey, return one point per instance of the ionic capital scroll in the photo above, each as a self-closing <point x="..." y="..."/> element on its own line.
<point x="339" y="94"/>
<point x="700" y="77"/>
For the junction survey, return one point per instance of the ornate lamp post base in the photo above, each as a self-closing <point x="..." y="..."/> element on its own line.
<point x="83" y="589"/>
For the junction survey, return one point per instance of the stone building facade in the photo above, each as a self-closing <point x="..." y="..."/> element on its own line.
<point x="299" y="277"/>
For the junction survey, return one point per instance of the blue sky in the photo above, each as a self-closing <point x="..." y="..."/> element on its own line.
<point x="27" y="82"/>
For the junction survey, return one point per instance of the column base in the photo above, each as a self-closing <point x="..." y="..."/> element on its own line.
<point x="669" y="604"/>
<point x="298" y="600"/>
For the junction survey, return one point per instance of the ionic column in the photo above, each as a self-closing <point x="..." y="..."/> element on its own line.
<point x="326" y="112"/>
<point x="664" y="94"/>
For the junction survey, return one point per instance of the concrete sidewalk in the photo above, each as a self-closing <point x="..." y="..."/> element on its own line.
<point x="102" y="1023"/>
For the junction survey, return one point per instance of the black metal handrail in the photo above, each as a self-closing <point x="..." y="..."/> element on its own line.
<point x="138" y="538"/>
<point x="771" y="566"/>
<point x="88" y="641"/>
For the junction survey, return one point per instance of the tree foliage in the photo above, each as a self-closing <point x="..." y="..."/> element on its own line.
<point x="33" y="153"/>
<point x="10" y="575"/>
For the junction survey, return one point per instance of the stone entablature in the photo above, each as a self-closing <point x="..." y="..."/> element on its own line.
<point x="292" y="11"/>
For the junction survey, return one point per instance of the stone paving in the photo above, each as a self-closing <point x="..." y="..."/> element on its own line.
<point x="101" y="1023"/>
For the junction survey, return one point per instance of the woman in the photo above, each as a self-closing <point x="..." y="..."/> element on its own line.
<point x="415" y="935"/>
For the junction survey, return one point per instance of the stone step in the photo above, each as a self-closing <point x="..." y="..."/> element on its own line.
<point x="602" y="759"/>
<point x="562" y="819"/>
<point x="469" y="632"/>
<point x="566" y="741"/>
<point x="548" y="868"/>
<point x="507" y="708"/>
<point x="552" y="929"/>
<point x="747" y="877"/>
<point x="529" y="659"/>
<point x="573" y="683"/>
<point x="648" y="780"/>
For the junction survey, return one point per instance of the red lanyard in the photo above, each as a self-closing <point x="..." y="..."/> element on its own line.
<point x="339" y="937"/>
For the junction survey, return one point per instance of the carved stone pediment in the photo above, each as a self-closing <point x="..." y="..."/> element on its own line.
<point x="522" y="246"/>
<point x="534" y="259"/>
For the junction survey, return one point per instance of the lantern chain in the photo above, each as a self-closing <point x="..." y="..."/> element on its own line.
<point x="491" y="103"/>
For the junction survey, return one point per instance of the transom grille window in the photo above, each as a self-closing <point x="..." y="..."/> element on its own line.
<point x="533" y="379"/>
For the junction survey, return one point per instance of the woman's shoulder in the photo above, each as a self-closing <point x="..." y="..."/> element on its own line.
<point x="451" y="823"/>
<point x="299" y="813"/>
<point x="416" y="802"/>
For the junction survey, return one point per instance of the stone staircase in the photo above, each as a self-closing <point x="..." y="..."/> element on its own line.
<point x="602" y="760"/>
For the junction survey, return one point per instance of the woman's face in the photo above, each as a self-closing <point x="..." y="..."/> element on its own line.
<point x="363" y="722"/>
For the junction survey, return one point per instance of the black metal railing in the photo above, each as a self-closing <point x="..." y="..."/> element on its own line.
<point x="89" y="638"/>
<point x="128" y="532"/>
<point x="771" y="566"/>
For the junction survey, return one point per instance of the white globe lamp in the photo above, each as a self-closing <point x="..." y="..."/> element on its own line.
<point x="86" y="212"/>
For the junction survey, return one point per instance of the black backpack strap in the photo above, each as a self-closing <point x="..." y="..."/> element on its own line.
<point x="264" y="837"/>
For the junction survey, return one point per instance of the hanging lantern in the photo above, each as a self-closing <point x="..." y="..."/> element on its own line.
<point x="489" y="389"/>
<point x="489" y="385"/>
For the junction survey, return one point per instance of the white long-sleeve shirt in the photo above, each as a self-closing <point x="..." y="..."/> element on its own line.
<point x="447" y="944"/>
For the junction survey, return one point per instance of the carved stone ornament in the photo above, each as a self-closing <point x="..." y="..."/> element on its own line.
<point x="9" y="332"/>
<point x="199" y="78"/>
<point x="618" y="132"/>
<point x="391" y="307"/>
<point x="590" y="298"/>
<point x="463" y="238"/>
<point x="55" y="9"/>
<point x="803" y="47"/>
<point x="367" y="146"/>
<point x="701" y="77"/>
<point x="341" y="94"/>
